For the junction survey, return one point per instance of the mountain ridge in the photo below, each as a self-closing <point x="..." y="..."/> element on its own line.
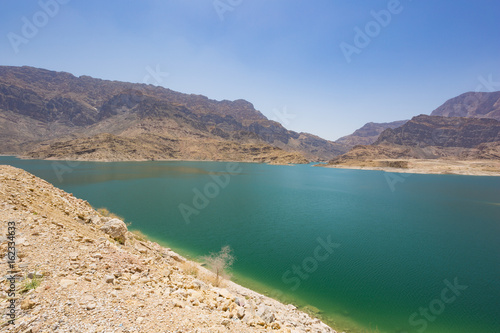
<point x="471" y="105"/>
<point x="368" y="133"/>
<point x="60" y="106"/>
<point x="431" y="138"/>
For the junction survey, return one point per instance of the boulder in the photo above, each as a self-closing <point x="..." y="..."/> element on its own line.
<point x="116" y="229"/>
<point x="109" y="278"/>
<point x="240" y="312"/>
<point x="197" y="284"/>
<point x="265" y="313"/>
<point x="95" y="219"/>
<point x="224" y="293"/>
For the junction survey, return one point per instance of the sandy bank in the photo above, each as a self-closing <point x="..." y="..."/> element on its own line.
<point x="423" y="166"/>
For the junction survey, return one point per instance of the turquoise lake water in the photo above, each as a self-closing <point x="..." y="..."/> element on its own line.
<point x="411" y="253"/>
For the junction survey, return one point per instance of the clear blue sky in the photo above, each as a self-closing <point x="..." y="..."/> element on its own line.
<point x="284" y="56"/>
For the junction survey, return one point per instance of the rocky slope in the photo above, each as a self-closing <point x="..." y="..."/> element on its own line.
<point x="40" y="108"/>
<point x="471" y="105"/>
<point x="431" y="138"/>
<point x="424" y="131"/>
<point x="109" y="147"/>
<point x="368" y="134"/>
<point x="79" y="271"/>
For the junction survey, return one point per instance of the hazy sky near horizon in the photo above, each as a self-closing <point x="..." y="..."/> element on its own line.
<point x="324" y="66"/>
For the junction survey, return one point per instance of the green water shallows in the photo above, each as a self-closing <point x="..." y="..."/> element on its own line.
<point x="395" y="249"/>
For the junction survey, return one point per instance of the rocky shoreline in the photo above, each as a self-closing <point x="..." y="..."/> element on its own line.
<point x="105" y="160"/>
<point x="77" y="270"/>
<point x="425" y="166"/>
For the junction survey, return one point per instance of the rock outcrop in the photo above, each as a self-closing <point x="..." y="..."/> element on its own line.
<point x="116" y="229"/>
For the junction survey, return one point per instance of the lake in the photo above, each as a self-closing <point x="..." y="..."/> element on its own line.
<point x="369" y="251"/>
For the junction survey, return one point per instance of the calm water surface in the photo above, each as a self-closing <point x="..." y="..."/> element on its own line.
<point x="393" y="253"/>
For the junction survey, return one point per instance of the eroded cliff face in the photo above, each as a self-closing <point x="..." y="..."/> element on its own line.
<point x="424" y="131"/>
<point x="39" y="107"/>
<point x="149" y="147"/>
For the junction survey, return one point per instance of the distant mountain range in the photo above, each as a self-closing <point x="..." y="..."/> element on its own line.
<point x="464" y="128"/>
<point x="430" y="137"/>
<point x="469" y="105"/>
<point x="47" y="114"/>
<point x="368" y="134"/>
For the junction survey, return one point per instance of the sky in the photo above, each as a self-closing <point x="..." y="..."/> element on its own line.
<point x="325" y="67"/>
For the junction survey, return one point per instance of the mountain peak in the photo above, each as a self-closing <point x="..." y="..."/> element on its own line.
<point x="471" y="105"/>
<point x="54" y="106"/>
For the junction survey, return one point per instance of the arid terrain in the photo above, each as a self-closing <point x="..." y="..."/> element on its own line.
<point x="426" y="166"/>
<point x="77" y="270"/>
<point x="431" y="144"/>
<point x="46" y="114"/>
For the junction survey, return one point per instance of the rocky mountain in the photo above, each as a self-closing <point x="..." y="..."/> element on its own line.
<point x="424" y="131"/>
<point x="47" y="114"/>
<point x="471" y="105"/>
<point x="368" y="134"/>
<point x="429" y="137"/>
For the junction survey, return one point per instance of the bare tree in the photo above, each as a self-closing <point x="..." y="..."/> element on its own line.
<point x="219" y="262"/>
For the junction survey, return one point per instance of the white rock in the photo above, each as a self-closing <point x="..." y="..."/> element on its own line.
<point x="109" y="278"/>
<point x="199" y="284"/>
<point x="241" y="312"/>
<point x="266" y="314"/>
<point x="65" y="283"/>
<point x="91" y="306"/>
<point x="224" y="293"/>
<point x="116" y="228"/>
<point x="180" y="292"/>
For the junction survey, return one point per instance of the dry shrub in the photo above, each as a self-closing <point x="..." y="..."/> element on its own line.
<point x="190" y="268"/>
<point x="139" y="235"/>
<point x="219" y="262"/>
